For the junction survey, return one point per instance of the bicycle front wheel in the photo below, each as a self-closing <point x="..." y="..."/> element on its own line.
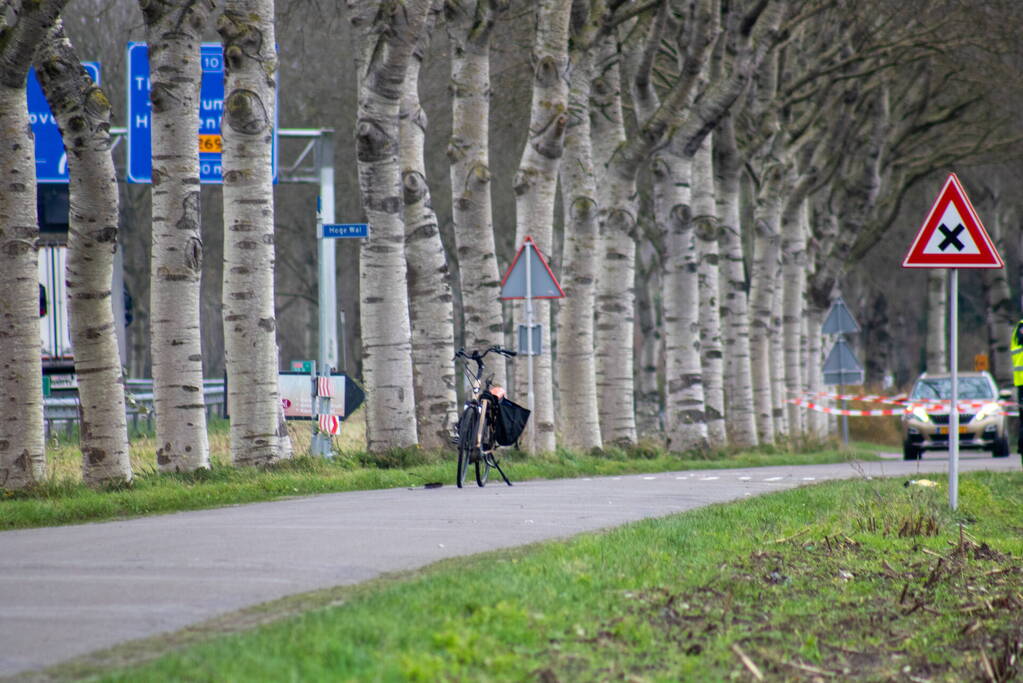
<point x="466" y="444"/>
<point x="483" y="464"/>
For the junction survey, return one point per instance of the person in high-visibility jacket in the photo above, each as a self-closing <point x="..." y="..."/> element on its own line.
<point x="1016" y="349"/>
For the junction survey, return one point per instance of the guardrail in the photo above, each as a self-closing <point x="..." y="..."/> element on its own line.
<point x="61" y="413"/>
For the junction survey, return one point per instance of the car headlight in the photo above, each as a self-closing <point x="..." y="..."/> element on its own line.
<point x="986" y="411"/>
<point x="920" y="414"/>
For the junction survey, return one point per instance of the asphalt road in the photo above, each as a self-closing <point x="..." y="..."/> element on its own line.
<point x="66" y="591"/>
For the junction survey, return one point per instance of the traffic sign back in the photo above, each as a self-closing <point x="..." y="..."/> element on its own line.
<point x="952" y="236"/>
<point x="543" y="284"/>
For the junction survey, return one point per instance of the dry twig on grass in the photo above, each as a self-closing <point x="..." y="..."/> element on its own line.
<point x="747" y="662"/>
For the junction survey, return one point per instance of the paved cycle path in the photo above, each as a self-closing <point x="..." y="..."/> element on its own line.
<point x="66" y="591"/>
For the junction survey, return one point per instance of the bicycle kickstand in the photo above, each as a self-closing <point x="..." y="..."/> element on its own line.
<point x="503" y="475"/>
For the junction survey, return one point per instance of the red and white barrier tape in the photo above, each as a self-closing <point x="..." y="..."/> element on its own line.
<point x="932" y="408"/>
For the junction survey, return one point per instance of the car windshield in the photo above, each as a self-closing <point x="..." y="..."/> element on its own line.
<point x="940" y="388"/>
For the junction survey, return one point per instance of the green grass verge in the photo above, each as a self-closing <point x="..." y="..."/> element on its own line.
<point x="865" y="580"/>
<point x="68" y="501"/>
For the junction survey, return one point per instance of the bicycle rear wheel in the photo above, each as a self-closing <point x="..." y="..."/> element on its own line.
<point x="466" y="444"/>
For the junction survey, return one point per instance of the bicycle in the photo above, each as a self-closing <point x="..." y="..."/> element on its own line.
<point x="476" y="431"/>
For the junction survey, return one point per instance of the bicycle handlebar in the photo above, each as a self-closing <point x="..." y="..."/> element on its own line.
<point x="478" y="357"/>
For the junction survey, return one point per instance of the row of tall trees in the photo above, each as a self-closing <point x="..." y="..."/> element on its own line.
<point x="719" y="165"/>
<point x="34" y="34"/>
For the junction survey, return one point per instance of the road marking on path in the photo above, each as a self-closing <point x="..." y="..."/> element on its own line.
<point x="709" y="478"/>
<point x="681" y="477"/>
<point x="745" y="478"/>
<point x="774" y="478"/>
<point x="649" y="478"/>
<point x="809" y="478"/>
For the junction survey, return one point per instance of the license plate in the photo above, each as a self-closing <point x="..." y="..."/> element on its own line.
<point x="944" y="430"/>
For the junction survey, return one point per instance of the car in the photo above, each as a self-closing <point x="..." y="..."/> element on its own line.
<point x="982" y="421"/>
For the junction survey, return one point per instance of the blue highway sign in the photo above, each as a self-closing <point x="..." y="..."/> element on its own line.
<point x="211" y="110"/>
<point x="346" y="230"/>
<point x="51" y="160"/>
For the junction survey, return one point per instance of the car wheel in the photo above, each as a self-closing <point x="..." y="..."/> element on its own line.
<point x="910" y="452"/>
<point x="1000" y="449"/>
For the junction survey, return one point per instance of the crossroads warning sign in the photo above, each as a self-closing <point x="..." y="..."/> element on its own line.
<point x="952" y="236"/>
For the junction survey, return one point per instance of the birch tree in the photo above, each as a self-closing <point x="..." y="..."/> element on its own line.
<point x="174" y="32"/>
<point x="431" y="305"/>
<point x="470" y="25"/>
<point x="22" y="457"/>
<point x="742" y="428"/>
<point x="579" y="418"/>
<point x="536" y="184"/>
<point x="83" y="114"/>
<point x="259" y="434"/>
<point x="386" y="45"/>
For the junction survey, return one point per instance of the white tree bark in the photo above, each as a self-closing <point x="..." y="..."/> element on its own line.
<point x="937" y="307"/>
<point x="386" y="329"/>
<point x="259" y="435"/>
<point x="431" y="306"/>
<point x="470" y="25"/>
<point x="794" y="290"/>
<point x="535" y="188"/>
<point x="766" y="247"/>
<point x="685" y="420"/>
<point x="735" y="300"/>
<point x="707" y="233"/>
<point x="777" y="354"/>
<point x="578" y="417"/>
<point x="1000" y="308"/>
<point x="83" y="113"/>
<point x="174" y="32"/>
<point x="615" y="296"/>
<point x="22" y="457"/>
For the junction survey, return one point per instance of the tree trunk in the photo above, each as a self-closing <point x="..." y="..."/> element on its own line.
<point x="259" y="435"/>
<point x="1000" y="307"/>
<point x="735" y="309"/>
<point x="386" y="329"/>
<point x="794" y="283"/>
<point x="535" y="188"/>
<point x="650" y="352"/>
<point x="615" y="295"/>
<point x="937" y="335"/>
<point x="431" y="305"/>
<point x="174" y="31"/>
<point x="707" y="237"/>
<point x="777" y="352"/>
<point x="578" y="417"/>
<point x="470" y="25"/>
<point x="766" y="247"/>
<point x="83" y="113"/>
<point x="22" y="455"/>
<point x="685" y="419"/>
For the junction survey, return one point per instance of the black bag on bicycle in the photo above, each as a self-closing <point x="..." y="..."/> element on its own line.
<point x="511" y="421"/>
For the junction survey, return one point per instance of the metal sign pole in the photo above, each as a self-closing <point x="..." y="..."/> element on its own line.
<point x="327" y="285"/>
<point x="953" y="422"/>
<point x="529" y="347"/>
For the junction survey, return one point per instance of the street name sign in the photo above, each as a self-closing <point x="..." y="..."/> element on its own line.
<point x="345" y="230"/>
<point x="952" y="236"/>
<point x="51" y="159"/>
<point x="211" y="110"/>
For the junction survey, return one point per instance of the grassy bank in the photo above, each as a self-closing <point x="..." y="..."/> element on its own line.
<point x="861" y="579"/>
<point x="63" y="499"/>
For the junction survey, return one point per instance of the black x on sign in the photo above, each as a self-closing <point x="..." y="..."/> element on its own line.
<point x="951" y="237"/>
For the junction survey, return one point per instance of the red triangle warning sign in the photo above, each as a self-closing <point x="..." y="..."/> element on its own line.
<point x="952" y="236"/>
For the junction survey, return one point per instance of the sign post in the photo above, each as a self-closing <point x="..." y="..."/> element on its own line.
<point x="953" y="237"/>
<point x="530" y="278"/>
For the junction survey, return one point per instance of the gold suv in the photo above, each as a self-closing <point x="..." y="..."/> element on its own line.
<point x="982" y="423"/>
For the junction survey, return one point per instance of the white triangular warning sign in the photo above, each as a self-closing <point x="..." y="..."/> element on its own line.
<point x="952" y="236"/>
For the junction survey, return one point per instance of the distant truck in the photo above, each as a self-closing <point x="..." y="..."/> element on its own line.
<point x="58" y="357"/>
